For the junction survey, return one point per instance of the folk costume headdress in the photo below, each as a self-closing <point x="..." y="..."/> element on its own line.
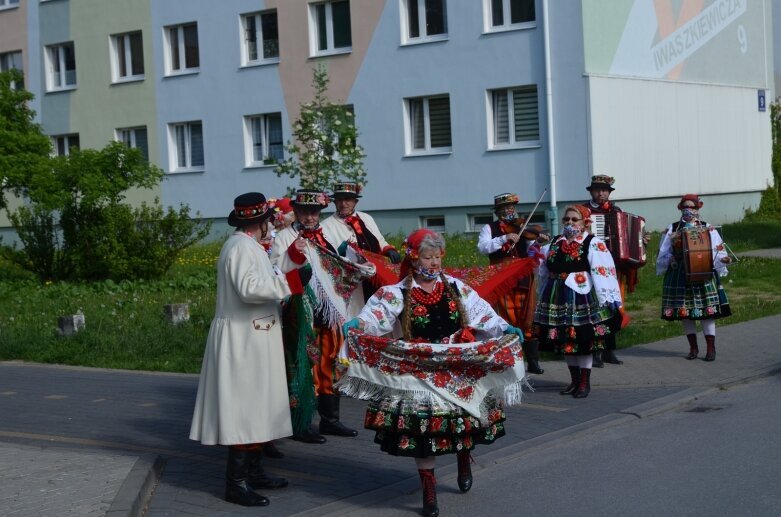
<point x="584" y="211"/>
<point x="310" y="198"/>
<point x="248" y="209"/>
<point x="347" y="189"/>
<point x="411" y="248"/>
<point x="602" y="181"/>
<point x="694" y="198"/>
<point x="505" y="199"/>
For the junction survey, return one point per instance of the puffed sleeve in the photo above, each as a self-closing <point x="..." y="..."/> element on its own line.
<point x="382" y="310"/>
<point x="719" y="252"/>
<point x="603" y="272"/>
<point x="487" y="244"/>
<point x="665" y="252"/>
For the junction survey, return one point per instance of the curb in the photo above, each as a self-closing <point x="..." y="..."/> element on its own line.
<point x="136" y="490"/>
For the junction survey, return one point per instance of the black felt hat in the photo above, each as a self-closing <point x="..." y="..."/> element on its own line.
<point x="248" y="209"/>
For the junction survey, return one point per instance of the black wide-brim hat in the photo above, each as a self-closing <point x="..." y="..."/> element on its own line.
<point x="347" y="189"/>
<point x="602" y="181"/>
<point x="310" y="198"/>
<point x="248" y="209"/>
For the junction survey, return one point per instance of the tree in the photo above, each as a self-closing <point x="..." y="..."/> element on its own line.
<point x="24" y="148"/>
<point x="326" y="148"/>
<point x="770" y="201"/>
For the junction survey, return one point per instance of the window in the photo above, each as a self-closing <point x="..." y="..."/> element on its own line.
<point x="263" y="139"/>
<point x="127" y="57"/>
<point x="514" y="117"/>
<point x="186" y="140"/>
<point x="428" y="124"/>
<point x="476" y="222"/>
<point x="423" y="20"/>
<point x="8" y="4"/>
<point x="12" y="60"/>
<point x="182" y="44"/>
<point x="135" y="138"/>
<point x="60" y="67"/>
<point x="509" y="14"/>
<point x="433" y="222"/>
<point x="329" y="28"/>
<point x="261" y="38"/>
<point x="64" y="144"/>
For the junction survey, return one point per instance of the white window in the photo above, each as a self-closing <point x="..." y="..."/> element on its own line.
<point x="261" y="38"/>
<point x="60" y="67"/>
<point x="127" y="57"/>
<point x="12" y="60"/>
<point x="135" y="138"/>
<point x="423" y="20"/>
<point x="508" y="14"/>
<point x="186" y="142"/>
<point x="513" y="117"/>
<point x="476" y="222"/>
<point x="263" y="139"/>
<point x="428" y="125"/>
<point x="8" y="4"/>
<point x="433" y="222"/>
<point x="182" y="44"/>
<point x="64" y="144"/>
<point x="329" y="28"/>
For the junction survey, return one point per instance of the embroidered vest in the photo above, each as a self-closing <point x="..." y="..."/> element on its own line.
<point x="500" y="255"/>
<point x="561" y="262"/>
<point x="439" y="321"/>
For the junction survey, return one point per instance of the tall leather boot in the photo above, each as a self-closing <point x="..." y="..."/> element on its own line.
<point x="464" y="470"/>
<point x="328" y="407"/>
<point x="429" y="482"/>
<point x="237" y="489"/>
<point x="531" y="350"/>
<point x="257" y="478"/>
<point x="574" y="373"/>
<point x="584" y="386"/>
<point x="609" y="353"/>
<point x="597" y="356"/>
<point x="694" y="350"/>
<point x="710" y="354"/>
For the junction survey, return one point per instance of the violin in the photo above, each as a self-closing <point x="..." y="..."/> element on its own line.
<point x="529" y="232"/>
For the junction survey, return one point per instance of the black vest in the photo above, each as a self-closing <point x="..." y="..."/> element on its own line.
<point x="519" y="251"/>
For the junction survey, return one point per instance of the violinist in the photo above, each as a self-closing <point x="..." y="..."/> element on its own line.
<point x="503" y="240"/>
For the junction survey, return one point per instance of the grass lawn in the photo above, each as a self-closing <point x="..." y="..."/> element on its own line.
<point x="125" y="327"/>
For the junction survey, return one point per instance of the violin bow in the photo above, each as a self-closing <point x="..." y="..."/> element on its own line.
<point x="526" y="223"/>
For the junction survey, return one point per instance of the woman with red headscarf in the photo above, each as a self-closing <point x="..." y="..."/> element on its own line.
<point x="578" y="298"/>
<point x="686" y="300"/>
<point x="445" y="395"/>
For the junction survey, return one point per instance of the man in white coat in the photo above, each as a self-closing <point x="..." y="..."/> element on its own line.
<point x="242" y="399"/>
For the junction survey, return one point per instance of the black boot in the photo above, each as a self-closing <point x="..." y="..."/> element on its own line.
<point x="236" y="488"/>
<point x="597" y="355"/>
<point x="710" y="354"/>
<point x="257" y="478"/>
<point x="270" y="450"/>
<point x="464" y="470"/>
<point x="429" y="482"/>
<point x="531" y="350"/>
<point x="584" y="386"/>
<point x="574" y="373"/>
<point x="694" y="350"/>
<point x="609" y="354"/>
<point x="328" y="407"/>
<point x="308" y="436"/>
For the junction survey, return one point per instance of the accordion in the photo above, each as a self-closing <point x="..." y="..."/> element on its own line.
<point x="623" y="234"/>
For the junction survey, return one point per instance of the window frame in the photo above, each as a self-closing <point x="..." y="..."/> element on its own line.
<point x="406" y="38"/>
<point x="115" y="61"/>
<point x="173" y="148"/>
<point x="5" y="59"/>
<point x="170" y="71"/>
<point x="67" y="144"/>
<point x="428" y="150"/>
<point x="8" y="4"/>
<point x="49" y="60"/>
<point x="244" y="42"/>
<point x="492" y="145"/>
<point x="249" y="143"/>
<point x="118" y="136"/>
<point x="424" y="223"/>
<point x="472" y="226"/>
<point x="507" y="25"/>
<point x="330" y="50"/>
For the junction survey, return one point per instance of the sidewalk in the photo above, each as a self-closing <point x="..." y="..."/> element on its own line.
<point x="83" y="441"/>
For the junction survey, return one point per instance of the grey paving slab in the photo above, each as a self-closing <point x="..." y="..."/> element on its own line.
<point x="121" y="416"/>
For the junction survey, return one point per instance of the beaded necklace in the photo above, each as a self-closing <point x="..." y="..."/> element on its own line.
<point x="431" y="298"/>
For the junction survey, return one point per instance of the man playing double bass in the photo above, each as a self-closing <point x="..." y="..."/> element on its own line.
<point x="502" y="240"/>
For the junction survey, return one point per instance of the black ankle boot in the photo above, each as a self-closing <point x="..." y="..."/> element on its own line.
<point x="710" y="354"/>
<point x="237" y="490"/>
<point x="328" y="407"/>
<point x="694" y="350"/>
<point x="257" y="478"/>
<point x="609" y="356"/>
<point x="584" y="386"/>
<point x="429" y="482"/>
<point x="309" y="436"/>
<point x="597" y="356"/>
<point x="531" y="350"/>
<point x="464" y="470"/>
<point x="574" y="373"/>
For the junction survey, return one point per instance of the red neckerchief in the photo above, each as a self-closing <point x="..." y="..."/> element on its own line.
<point x="605" y="205"/>
<point x="315" y="235"/>
<point x="355" y="222"/>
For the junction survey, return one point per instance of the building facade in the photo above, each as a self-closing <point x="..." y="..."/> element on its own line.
<point x="455" y="102"/>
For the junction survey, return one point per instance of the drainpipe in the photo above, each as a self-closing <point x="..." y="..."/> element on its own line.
<point x="553" y="217"/>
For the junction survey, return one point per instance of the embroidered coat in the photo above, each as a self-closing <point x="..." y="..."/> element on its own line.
<point x="340" y="231"/>
<point x="242" y="392"/>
